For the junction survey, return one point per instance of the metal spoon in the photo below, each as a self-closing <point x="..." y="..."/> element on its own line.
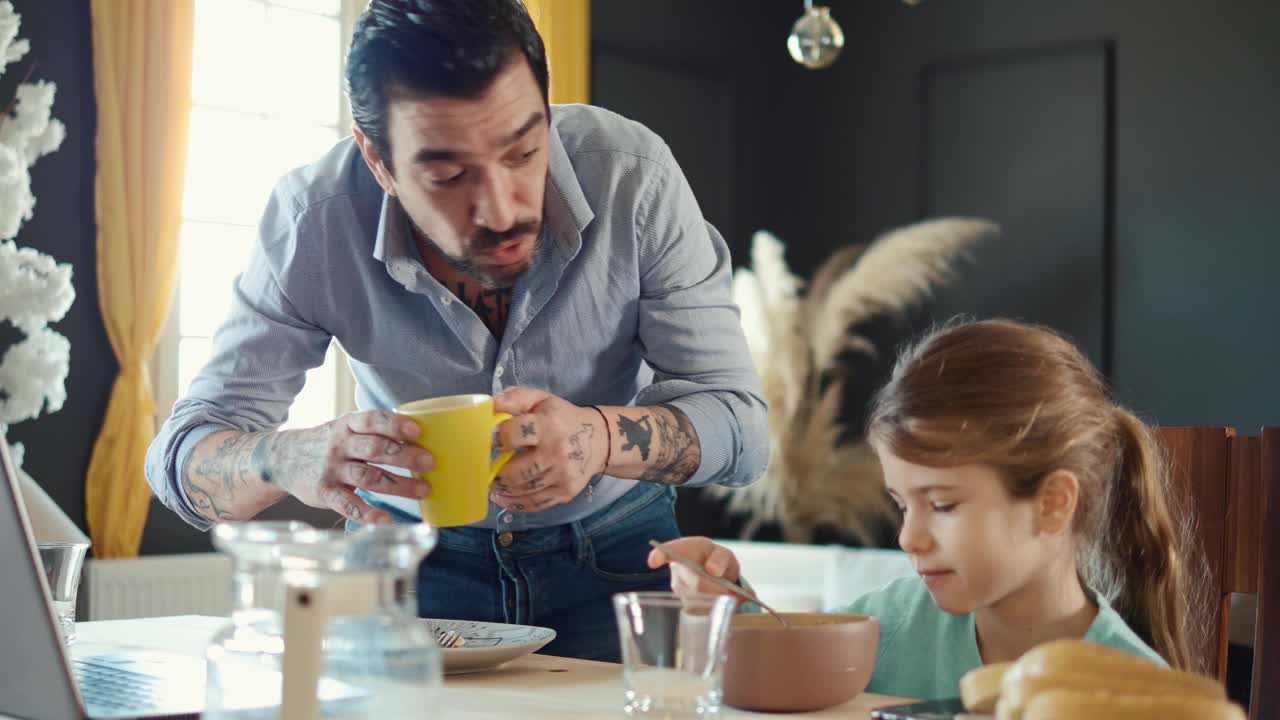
<point x="731" y="587"/>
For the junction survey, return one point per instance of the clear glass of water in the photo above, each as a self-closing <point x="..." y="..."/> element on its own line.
<point x="672" y="653"/>
<point x="62" y="564"/>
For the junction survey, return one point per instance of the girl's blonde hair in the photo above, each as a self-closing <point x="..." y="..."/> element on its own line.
<point x="1022" y="399"/>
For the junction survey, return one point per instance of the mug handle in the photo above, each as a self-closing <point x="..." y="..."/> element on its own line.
<point x="505" y="455"/>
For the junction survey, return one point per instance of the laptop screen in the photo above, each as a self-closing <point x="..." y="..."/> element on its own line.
<point x="35" y="680"/>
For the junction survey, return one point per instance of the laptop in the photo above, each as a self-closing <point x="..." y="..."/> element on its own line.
<point x="38" y="681"/>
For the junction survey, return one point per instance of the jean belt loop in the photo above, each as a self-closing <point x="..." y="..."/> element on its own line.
<point x="581" y="543"/>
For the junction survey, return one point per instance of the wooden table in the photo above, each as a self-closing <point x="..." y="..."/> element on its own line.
<point x="535" y="686"/>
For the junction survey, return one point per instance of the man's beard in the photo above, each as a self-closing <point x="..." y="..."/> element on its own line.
<point x="491" y="278"/>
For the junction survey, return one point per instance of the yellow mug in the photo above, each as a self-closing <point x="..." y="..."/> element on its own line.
<point x="458" y="431"/>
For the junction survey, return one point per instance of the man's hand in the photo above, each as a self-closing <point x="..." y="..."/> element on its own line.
<point x="560" y="448"/>
<point x="232" y="475"/>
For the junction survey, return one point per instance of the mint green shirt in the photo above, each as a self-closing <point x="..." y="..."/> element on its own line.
<point x="924" y="650"/>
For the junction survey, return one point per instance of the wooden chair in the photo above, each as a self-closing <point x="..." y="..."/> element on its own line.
<point x="1264" y="702"/>
<point x="1228" y="481"/>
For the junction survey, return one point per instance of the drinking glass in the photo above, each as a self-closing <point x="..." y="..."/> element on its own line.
<point x="672" y="653"/>
<point x="62" y="564"/>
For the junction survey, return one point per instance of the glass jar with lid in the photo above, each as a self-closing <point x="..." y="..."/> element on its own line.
<point x="324" y="624"/>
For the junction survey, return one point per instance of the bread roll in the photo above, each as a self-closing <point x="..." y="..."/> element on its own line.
<point x="980" y="688"/>
<point x="1114" y="669"/>
<point x="1079" y="665"/>
<point x="1059" y="704"/>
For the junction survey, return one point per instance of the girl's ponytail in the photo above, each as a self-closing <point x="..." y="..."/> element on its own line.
<point x="1147" y="548"/>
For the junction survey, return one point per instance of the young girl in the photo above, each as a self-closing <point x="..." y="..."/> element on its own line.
<point x="1034" y="508"/>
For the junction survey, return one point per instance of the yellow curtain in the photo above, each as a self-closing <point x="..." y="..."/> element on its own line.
<point x="566" y="31"/>
<point x="142" y="80"/>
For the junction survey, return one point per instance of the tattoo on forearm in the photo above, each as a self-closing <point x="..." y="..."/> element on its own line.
<point x="677" y="453"/>
<point x="211" y="483"/>
<point x="581" y="444"/>
<point x="639" y="434"/>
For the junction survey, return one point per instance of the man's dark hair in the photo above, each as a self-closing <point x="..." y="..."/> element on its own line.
<point x="451" y="48"/>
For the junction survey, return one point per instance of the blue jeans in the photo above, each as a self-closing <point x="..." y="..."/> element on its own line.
<point x="561" y="577"/>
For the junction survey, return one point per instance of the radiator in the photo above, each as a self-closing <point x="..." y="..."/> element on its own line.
<point x="191" y="584"/>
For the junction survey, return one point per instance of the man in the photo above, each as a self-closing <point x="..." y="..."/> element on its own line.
<point x="472" y="239"/>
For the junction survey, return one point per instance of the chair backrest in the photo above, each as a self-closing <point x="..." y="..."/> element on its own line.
<point x="1200" y="468"/>
<point x="1264" y="702"/>
<point x="1232" y="485"/>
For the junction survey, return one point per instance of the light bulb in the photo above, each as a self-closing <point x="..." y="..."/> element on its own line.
<point x="816" y="39"/>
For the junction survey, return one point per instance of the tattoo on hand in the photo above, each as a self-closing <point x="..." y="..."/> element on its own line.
<point x="639" y="434"/>
<point x="678" y="452"/>
<point x="526" y="430"/>
<point x="581" y="444"/>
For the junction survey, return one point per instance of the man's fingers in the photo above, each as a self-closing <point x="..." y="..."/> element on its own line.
<point x="346" y="503"/>
<point x="518" y="400"/>
<point x="385" y="451"/>
<point x="520" y="431"/>
<point x="526" y="474"/>
<point x="657" y="559"/>
<point x="379" y="480"/>
<point x="385" y="423"/>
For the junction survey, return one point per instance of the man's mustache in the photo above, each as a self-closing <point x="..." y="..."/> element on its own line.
<point x="486" y="239"/>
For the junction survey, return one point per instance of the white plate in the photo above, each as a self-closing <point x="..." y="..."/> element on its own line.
<point x="489" y="644"/>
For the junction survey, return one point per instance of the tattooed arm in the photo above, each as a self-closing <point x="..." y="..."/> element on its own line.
<point x="564" y="445"/>
<point x="233" y="475"/>
<point x="655" y="444"/>
<point x="219" y="479"/>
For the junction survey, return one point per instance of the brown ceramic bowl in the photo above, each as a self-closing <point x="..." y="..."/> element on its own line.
<point x="822" y="660"/>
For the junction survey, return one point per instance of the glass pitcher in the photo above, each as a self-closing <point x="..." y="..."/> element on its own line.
<point x="324" y="624"/>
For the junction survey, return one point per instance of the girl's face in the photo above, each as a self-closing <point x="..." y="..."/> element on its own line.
<point x="972" y="543"/>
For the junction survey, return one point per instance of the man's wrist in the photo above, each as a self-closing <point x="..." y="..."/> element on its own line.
<point x="608" y="438"/>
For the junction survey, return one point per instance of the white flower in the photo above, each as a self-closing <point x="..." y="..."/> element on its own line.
<point x="35" y="290"/>
<point x="11" y="50"/>
<point x="33" y="374"/>
<point x="16" y="200"/>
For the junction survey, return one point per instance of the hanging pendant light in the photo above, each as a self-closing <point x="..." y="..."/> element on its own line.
<point x="816" y="39"/>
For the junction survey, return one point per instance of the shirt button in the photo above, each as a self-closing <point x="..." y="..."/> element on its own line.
<point x="498" y="372"/>
<point x="505" y="539"/>
<point x="446" y="299"/>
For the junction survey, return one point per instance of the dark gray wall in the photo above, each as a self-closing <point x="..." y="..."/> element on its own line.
<point x="1130" y="149"/>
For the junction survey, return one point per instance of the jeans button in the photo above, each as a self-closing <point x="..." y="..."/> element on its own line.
<point x="506" y="538"/>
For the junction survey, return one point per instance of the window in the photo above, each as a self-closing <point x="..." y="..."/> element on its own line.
<point x="266" y="98"/>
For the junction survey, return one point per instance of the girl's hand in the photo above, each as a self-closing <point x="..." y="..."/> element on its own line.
<point x="716" y="559"/>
